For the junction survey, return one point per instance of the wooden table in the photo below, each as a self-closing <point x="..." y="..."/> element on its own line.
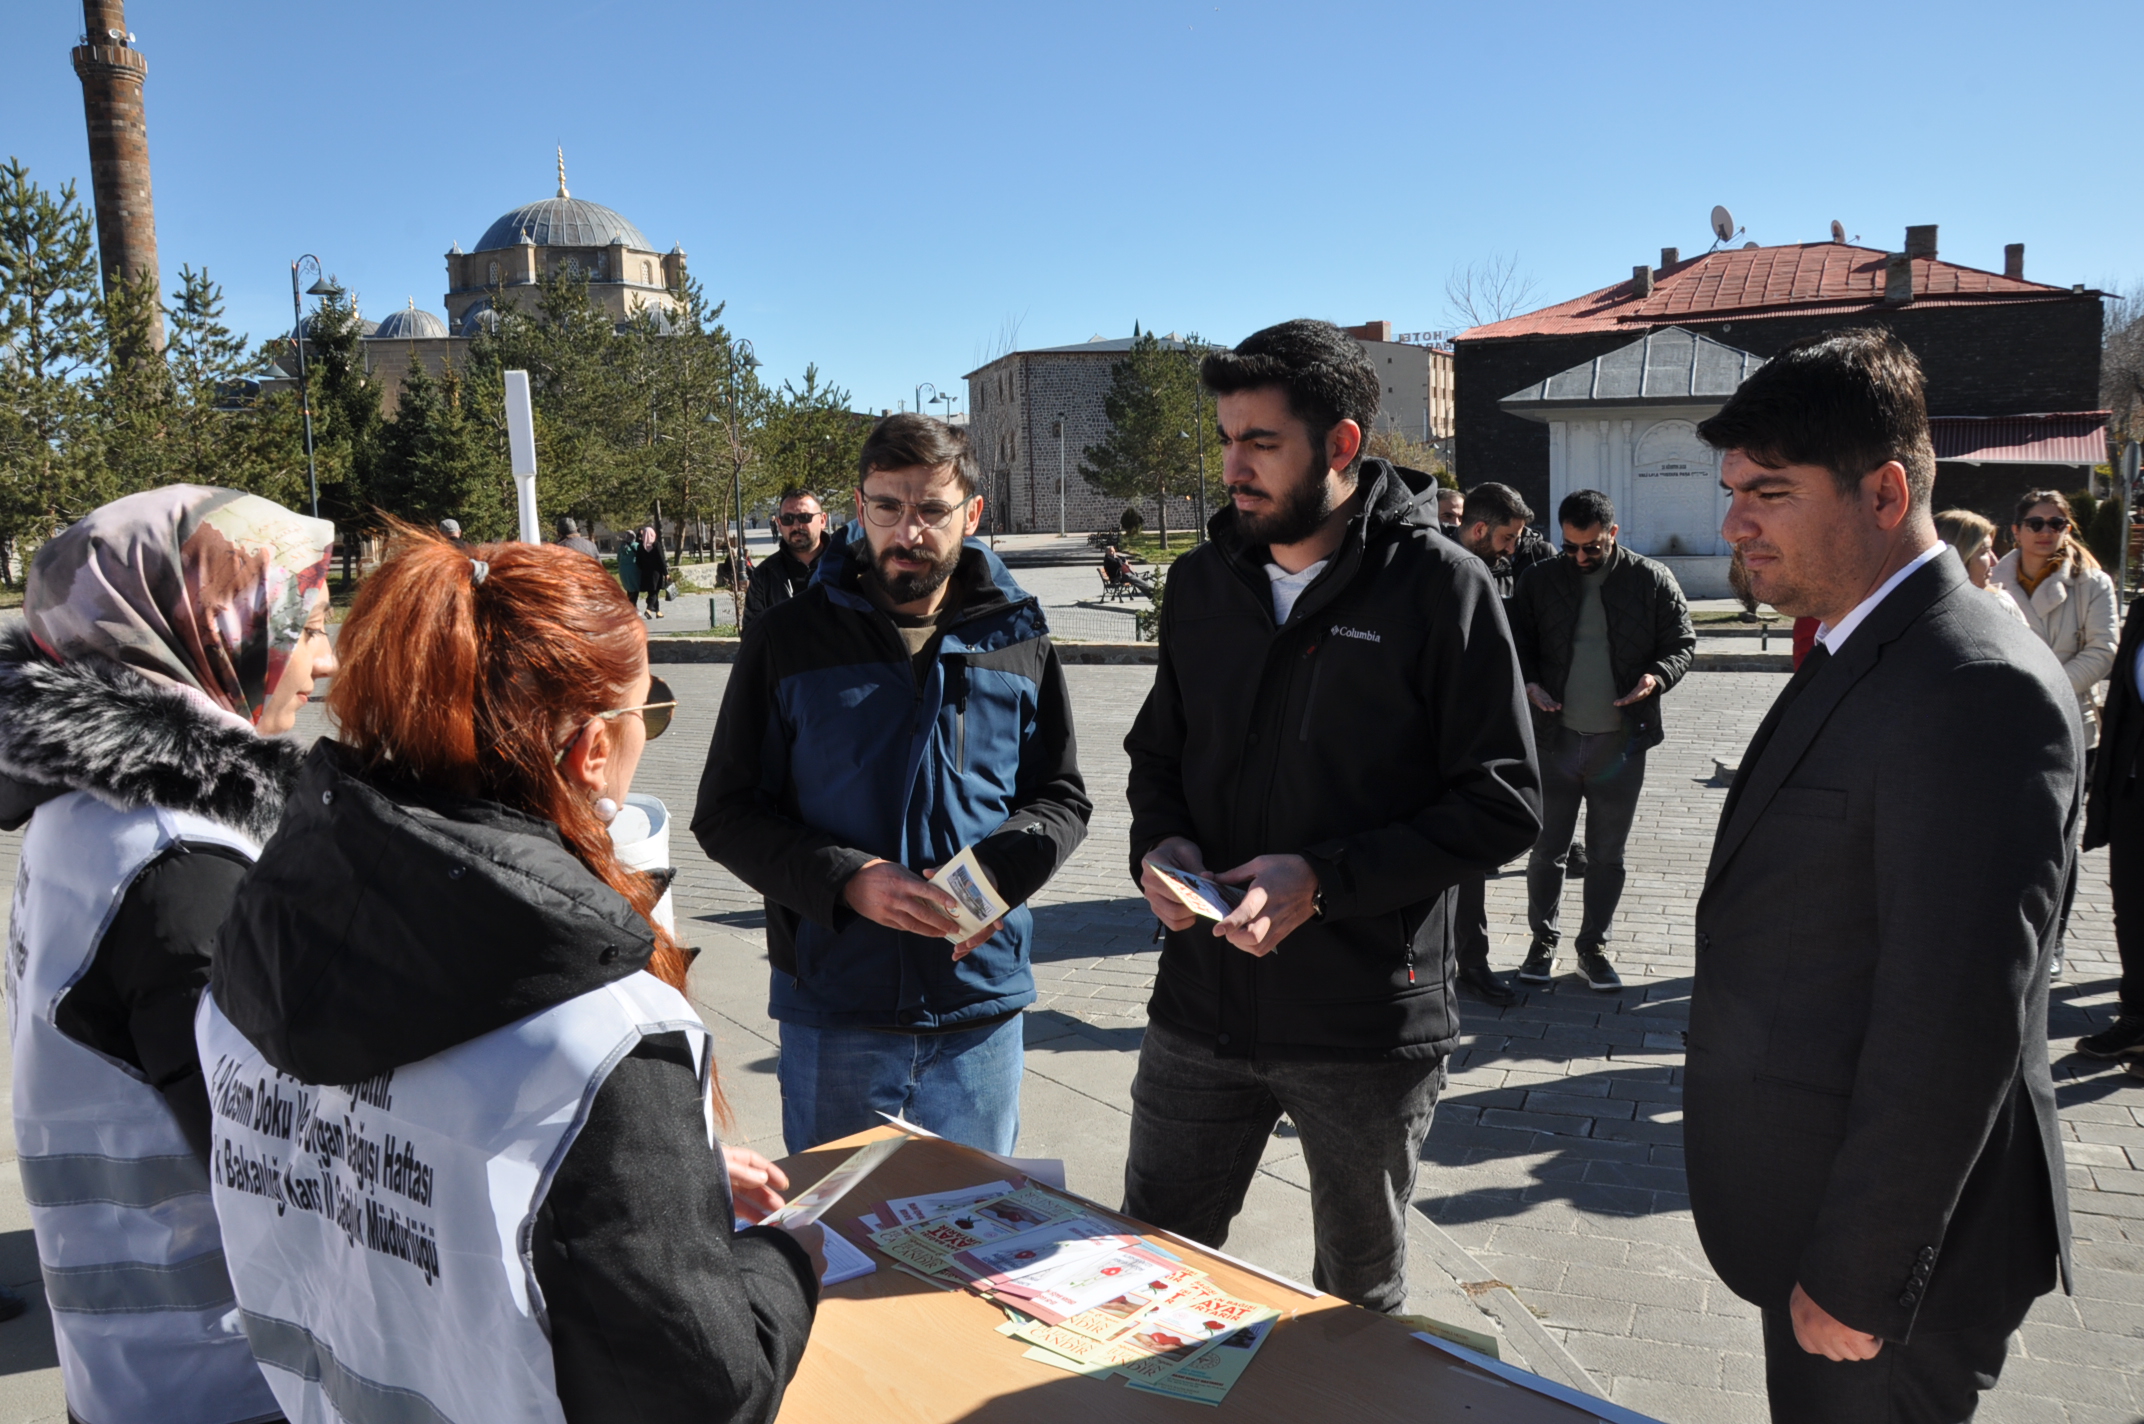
<point x="891" y="1347"/>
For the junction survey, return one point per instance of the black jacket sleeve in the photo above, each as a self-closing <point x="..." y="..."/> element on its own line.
<point x="1674" y="639"/>
<point x="1050" y="805"/>
<point x="1155" y="745"/>
<point x="1524" y="613"/>
<point x="737" y="820"/>
<point x="659" y="1310"/>
<point x="756" y="599"/>
<point x="136" y="1002"/>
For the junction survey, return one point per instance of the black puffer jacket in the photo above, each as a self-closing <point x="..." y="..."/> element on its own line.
<point x="1380" y="733"/>
<point x="1648" y="632"/>
<point x="345" y="956"/>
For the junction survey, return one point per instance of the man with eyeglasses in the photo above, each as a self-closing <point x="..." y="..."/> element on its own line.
<point x="1603" y="634"/>
<point x="800" y="537"/>
<point x="904" y="705"/>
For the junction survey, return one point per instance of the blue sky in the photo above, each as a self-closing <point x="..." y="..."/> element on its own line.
<point x="883" y="189"/>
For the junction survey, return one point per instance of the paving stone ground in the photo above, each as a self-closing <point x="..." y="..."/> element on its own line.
<point x="1554" y="1168"/>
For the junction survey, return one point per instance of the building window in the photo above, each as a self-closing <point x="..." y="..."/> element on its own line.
<point x="491" y="275"/>
<point x="647" y="274"/>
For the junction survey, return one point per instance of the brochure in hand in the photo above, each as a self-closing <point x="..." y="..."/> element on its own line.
<point x="1201" y="895"/>
<point x="962" y="877"/>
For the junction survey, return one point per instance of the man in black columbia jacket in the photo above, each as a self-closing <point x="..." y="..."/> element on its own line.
<point x="1603" y="635"/>
<point x="1337" y="727"/>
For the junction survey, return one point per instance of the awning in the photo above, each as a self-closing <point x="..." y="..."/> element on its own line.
<point x="2077" y="437"/>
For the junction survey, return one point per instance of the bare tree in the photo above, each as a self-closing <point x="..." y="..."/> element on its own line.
<point x="1004" y="342"/>
<point x="2121" y="361"/>
<point x="1489" y="290"/>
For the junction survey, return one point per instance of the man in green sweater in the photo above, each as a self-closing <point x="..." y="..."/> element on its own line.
<point x="1602" y="635"/>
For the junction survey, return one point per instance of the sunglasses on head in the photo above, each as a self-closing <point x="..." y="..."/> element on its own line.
<point x="2039" y="524"/>
<point x="655" y="715"/>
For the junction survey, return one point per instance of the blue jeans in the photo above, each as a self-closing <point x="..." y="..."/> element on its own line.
<point x="963" y="1086"/>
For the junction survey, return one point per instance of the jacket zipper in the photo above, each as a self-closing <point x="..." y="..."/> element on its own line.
<point x="1407" y="947"/>
<point x="1310" y="699"/>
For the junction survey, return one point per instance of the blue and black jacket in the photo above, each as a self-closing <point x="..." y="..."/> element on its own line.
<point x="831" y="752"/>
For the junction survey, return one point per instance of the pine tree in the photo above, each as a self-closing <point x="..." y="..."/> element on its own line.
<point x="431" y="463"/>
<point x="1152" y="405"/>
<point x="51" y="346"/>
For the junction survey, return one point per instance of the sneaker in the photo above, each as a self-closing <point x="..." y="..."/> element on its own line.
<point x="1486" y="986"/>
<point x="1540" y="965"/>
<point x="2054" y="967"/>
<point x="1600" y="974"/>
<point x="2123" y="1040"/>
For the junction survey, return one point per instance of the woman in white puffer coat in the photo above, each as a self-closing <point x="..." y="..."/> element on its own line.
<point x="2065" y="596"/>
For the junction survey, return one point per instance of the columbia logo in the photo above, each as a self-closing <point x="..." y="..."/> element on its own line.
<point x="1363" y="633"/>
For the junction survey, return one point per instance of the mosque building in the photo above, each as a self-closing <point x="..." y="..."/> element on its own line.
<point x="559" y="234"/>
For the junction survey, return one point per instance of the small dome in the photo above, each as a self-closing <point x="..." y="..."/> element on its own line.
<point x="409" y="325"/>
<point x="562" y="222"/>
<point x="479" y="319"/>
<point x="364" y="327"/>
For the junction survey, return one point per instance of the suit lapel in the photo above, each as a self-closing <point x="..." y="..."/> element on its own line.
<point x="1807" y="716"/>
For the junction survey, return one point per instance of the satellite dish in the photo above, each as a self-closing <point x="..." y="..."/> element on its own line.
<point x="1723" y="223"/>
<point x="1838" y="231"/>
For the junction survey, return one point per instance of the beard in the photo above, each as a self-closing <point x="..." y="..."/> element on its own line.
<point x="904" y="587"/>
<point x="1294" y="514"/>
<point x="801" y="539"/>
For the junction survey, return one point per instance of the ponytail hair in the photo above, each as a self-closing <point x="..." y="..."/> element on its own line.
<point x="466" y="667"/>
<point x="2080" y="558"/>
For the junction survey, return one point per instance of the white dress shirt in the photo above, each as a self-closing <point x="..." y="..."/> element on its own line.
<point x="1833" y="636"/>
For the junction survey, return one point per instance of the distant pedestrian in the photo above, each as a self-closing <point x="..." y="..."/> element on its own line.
<point x="2067" y="599"/>
<point x="905" y="705"/>
<point x="1873" y="1153"/>
<point x="1495" y="522"/>
<point x="569" y="537"/>
<point x="654" y="568"/>
<point x="628" y="558"/>
<point x="1603" y="635"/>
<point x="1451" y="508"/>
<point x="800" y="538"/>
<point x="1337" y="727"/>
<point x="1973" y="537"/>
<point x="166" y="638"/>
<point x="2114" y="818"/>
<point x="1117" y="568"/>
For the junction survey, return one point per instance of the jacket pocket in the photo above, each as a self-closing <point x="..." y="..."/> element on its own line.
<point x="1821" y="801"/>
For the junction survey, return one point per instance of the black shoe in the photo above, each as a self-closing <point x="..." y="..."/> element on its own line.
<point x="1575" y="865"/>
<point x="1540" y="965"/>
<point x="1486" y="986"/>
<point x="1600" y="974"/>
<point x="11" y="1304"/>
<point x="2124" y="1039"/>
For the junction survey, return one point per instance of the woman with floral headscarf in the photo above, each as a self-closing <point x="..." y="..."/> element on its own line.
<point x="163" y="636"/>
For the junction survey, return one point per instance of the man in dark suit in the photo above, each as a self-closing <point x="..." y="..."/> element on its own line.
<point x="1869" y="1118"/>
<point x="2114" y="818"/>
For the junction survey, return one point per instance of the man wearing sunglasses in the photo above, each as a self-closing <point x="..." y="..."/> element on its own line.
<point x="905" y="705"/>
<point x="1603" y="634"/>
<point x="800" y="537"/>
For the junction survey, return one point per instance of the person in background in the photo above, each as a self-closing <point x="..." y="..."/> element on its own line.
<point x="2070" y="604"/>
<point x="1974" y="539"/>
<point x="654" y="568"/>
<point x="905" y="706"/>
<point x="2114" y="818"/>
<point x="442" y="956"/>
<point x="570" y="537"/>
<point x="1496" y="519"/>
<point x="452" y="529"/>
<point x="1337" y="727"/>
<point x="1603" y="635"/>
<point x="166" y="638"/>
<point x="628" y="558"/>
<point x="1869" y="1123"/>
<point x="800" y="524"/>
<point x="1451" y="508"/>
<point x="1118" y="569"/>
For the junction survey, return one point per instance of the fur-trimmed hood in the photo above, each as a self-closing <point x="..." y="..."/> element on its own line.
<point x="96" y="726"/>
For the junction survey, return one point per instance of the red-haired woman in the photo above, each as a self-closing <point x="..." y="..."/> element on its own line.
<point x="464" y="1116"/>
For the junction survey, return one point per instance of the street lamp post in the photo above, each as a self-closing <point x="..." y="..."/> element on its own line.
<point x="919" y="394"/>
<point x="321" y="288"/>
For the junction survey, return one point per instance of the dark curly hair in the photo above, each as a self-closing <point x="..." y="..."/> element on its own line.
<point x="1325" y="372"/>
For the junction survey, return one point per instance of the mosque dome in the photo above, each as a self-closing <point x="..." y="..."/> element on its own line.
<point x="562" y="222"/>
<point x="409" y="324"/>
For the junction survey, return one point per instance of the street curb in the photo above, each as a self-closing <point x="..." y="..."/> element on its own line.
<point x="689" y="649"/>
<point x="1545" y="1354"/>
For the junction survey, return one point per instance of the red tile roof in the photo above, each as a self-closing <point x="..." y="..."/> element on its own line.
<point x="1810" y="278"/>
<point x="2061" y="438"/>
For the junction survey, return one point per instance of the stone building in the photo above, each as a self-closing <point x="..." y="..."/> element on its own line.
<point x="1032" y="413"/>
<point x="1605" y="390"/>
<point x="559" y="234"/>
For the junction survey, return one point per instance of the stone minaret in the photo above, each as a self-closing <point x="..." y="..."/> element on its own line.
<point x="112" y="71"/>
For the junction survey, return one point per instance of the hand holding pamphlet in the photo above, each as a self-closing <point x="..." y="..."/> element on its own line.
<point x="964" y="879"/>
<point x="1201" y="895"/>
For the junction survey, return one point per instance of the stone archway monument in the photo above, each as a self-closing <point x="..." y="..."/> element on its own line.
<point x="1626" y="423"/>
